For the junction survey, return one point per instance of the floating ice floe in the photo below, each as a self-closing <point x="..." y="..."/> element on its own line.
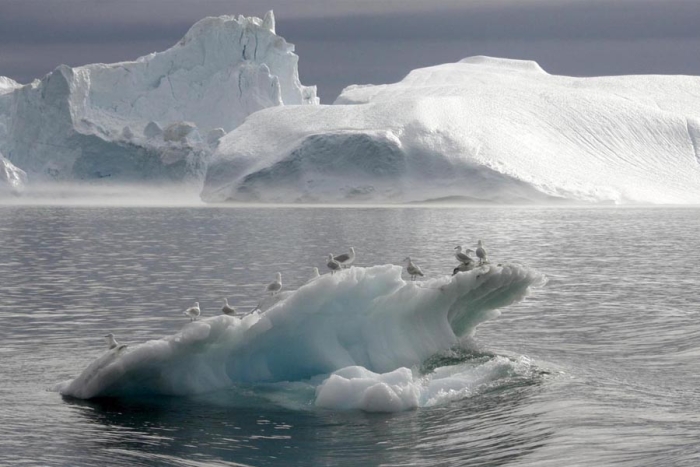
<point x="367" y="317"/>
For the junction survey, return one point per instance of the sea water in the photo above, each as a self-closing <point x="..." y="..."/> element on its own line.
<point x="599" y="367"/>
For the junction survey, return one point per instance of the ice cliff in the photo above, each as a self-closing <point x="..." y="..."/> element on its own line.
<point x="153" y="119"/>
<point x="482" y="129"/>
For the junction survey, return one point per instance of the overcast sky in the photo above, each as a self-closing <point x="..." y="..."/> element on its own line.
<point x="342" y="42"/>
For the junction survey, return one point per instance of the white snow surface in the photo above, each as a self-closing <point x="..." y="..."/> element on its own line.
<point x="482" y="129"/>
<point x="12" y="179"/>
<point x="368" y="317"/>
<point x="88" y="122"/>
<point x="8" y="85"/>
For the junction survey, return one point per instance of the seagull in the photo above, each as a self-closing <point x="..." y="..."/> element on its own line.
<point x="346" y="259"/>
<point x="113" y="344"/>
<point x="193" y="312"/>
<point x="315" y="275"/>
<point x="412" y="269"/>
<point x="111" y="341"/>
<point x="227" y="309"/>
<point x="332" y="264"/>
<point x="275" y="286"/>
<point x="481" y="253"/>
<point x="463" y="257"/>
<point x="463" y="267"/>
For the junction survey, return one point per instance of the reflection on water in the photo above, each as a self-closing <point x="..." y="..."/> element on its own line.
<point x="178" y="428"/>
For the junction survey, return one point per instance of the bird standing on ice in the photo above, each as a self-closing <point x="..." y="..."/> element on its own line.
<point x="412" y="269"/>
<point x="111" y="341"/>
<point x="227" y="309"/>
<point x="463" y="256"/>
<point x="332" y="264"/>
<point x="346" y="259"/>
<point x="481" y="253"/>
<point x="276" y="285"/>
<point x="193" y="312"/>
<point x="315" y="275"/>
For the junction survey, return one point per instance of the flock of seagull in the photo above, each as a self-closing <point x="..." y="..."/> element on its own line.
<point x="335" y="263"/>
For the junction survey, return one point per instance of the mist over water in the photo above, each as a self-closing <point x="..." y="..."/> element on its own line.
<point x="598" y="367"/>
<point x="102" y="194"/>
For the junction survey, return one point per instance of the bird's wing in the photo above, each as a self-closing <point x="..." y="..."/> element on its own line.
<point x="341" y="258"/>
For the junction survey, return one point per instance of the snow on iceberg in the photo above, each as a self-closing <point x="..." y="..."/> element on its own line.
<point x="367" y="317"/>
<point x="482" y="129"/>
<point x="12" y="179"/>
<point x="101" y="121"/>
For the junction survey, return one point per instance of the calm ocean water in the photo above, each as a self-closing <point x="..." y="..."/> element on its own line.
<point x="613" y="339"/>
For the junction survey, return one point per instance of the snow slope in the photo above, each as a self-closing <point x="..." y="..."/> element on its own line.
<point x="155" y="118"/>
<point x="483" y="129"/>
<point x="369" y="317"/>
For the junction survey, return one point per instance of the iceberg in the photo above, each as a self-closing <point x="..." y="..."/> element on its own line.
<point x="483" y="130"/>
<point x="358" y="317"/>
<point x="149" y="119"/>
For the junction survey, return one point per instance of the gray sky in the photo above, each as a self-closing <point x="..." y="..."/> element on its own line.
<point x="342" y="42"/>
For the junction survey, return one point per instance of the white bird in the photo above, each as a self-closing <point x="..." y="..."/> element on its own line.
<point x="315" y="275"/>
<point x="228" y="309"/>
<point x="463" y="256"/>
<point x="113" y="344"/>
<point x="332" y="264"/>
<point x="276" y="285"/>
<point x="346" y="259"/>
<point x="412" y="269"/>
<point x="481" y="253"/>
<point x="193" y="312"/>
<point x="111" y="341"/>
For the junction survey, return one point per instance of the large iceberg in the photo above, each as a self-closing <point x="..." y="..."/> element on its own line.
<point x="153" y="119"/>
<point x="368" y="317"/>
<point x="482" y="129"/>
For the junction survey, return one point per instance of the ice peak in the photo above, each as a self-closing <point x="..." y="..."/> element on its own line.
<point x="269" y="21"/>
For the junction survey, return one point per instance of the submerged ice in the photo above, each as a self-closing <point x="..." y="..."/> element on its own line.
<point x="404" y="389"/>
<point x="358" y="317"/>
